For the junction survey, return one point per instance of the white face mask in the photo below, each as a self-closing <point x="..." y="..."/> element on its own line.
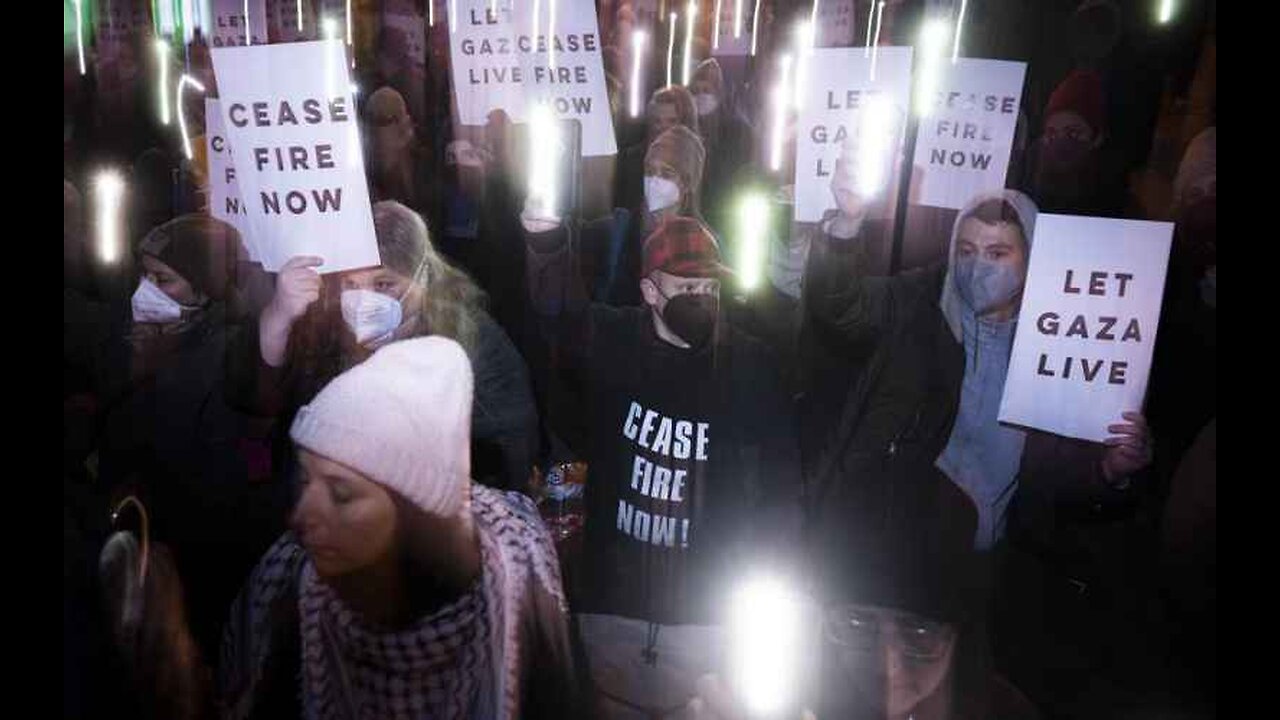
<point x="660" y="193"/>
<point x="152" y="305"/>
<point x="706" y="103"/>
<point x="371" y="315"/>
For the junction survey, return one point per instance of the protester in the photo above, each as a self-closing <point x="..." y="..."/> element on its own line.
<point x="935" y="347"/>
<point x="726" y="138"/>
<point x="692" y="468"/>
<point x="400" y="167"/>
<point x="316" y="327"/>
<point x="1069" y="156"/>
<point x="668" y="107"/>
<point x="673" y="172"/>
<point x="404" y="588"/>
<point x="165" y="426"/>
<point x="1184" y="372"/>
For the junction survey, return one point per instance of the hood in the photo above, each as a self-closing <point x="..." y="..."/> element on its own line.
<point x="953" y="307"/>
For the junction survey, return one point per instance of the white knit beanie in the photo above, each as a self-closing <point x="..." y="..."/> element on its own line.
<point x="403" y="419"/>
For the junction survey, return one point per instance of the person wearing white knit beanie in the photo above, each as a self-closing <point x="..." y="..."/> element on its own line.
<point x="418" y="593"/>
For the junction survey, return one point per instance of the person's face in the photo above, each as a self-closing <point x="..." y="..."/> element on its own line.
<point x="663" y="117"/>
<point x="1067" y="125"/>
<point x="391" y="134"/>
<point x="893" y="660"/>
<point x="346" y="521"/>
<point x="169" y="281"/>
<point x="658" y="168"/>
<point x="703" y="84"/>
<point x="999" y="243"/>
<point x="660" y="287"/>
<point x="381" y="280"/>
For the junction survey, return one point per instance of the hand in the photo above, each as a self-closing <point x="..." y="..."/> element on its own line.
<point x="297" y="286"/>
<point x="844" y="188"/>
<point x="1129" y="450"/>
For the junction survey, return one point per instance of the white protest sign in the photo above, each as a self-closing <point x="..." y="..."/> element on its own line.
<point x="733" y="39"/>
<point x="229" y="22"/>
<point x="224" y="190"/>
<point x="840" y="87"/>
<point x="289" y="113"/>
<point x="1087" y="325"/>
<point x="835" y="23"/>
<point x="963" y="145"/>
<point x="501" y="61"/>
<point x="284" y="21"/>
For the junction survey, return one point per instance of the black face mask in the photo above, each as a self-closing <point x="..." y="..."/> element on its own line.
<point x="692" y="317"/>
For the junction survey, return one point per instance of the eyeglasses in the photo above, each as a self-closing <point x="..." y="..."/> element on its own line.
<point x="867" y="629"/>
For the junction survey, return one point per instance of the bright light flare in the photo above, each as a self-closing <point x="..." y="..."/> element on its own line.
<point x="108" y="189"/>
<point x="715" y="31"/>
<point x="755" y="25"/>
<point x="692" y="13"/>
<point x="933" y="40"/>
<point x="871" y="20"/>
<point x="876" y="131"/>
<point x="671" y="45"/>
<point x="737" y="19"/>
<point x="753" y="223"/>
<point x="162" y="59"/>
<point x="544" y="148"/>
<point x="184" y="81"/>
<point x="875" y="47"/>
<point x="804" y="48"/>
<point x="765" y="645"/>
<point x="551" y="33"/>
<point x="638" y="41"/>
<point x="80" y="32"/>
<point x="1165" y="12"/>
<point x="780" y="103"/>
<point x="955" y="48"/>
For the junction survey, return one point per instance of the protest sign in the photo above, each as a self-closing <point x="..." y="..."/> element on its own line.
<point x="225" y="202"/>
<point x="839" y="87"/>
<point x="118" y="28"/>
<point x="1087" y="325"/>
<point x="835" y="23"/>
<point x="289" y="112"/>
<point x="964" y="141"/>
<point x="402" y="53"/>
<point x="516" y="54"/>
<point x="282" y="18"/>
<point x="733" y="38"/>
<point x="230" y="23"/>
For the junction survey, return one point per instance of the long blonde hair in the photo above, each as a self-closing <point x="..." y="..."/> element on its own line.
<point x="451" y="300"/>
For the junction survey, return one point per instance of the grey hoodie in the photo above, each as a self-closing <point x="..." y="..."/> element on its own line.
<point x="982" y="456"/>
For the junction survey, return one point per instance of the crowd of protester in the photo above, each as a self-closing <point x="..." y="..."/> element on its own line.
<point x="293" y="494"/>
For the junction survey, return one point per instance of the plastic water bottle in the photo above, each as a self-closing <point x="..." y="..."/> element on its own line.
<point x="562" y="500"/>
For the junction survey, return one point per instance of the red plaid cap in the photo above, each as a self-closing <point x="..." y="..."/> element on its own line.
<point x="683" y="247"/>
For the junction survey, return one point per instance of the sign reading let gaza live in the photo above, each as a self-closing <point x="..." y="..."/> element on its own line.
<point x="289" y="113"/>
<point x="1087" y="325"/>
<point x="516" y="54"/>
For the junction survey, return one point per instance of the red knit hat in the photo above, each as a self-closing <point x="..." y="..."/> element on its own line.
<point x="1081" y="93"/>
<point x="683" y="247"/>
